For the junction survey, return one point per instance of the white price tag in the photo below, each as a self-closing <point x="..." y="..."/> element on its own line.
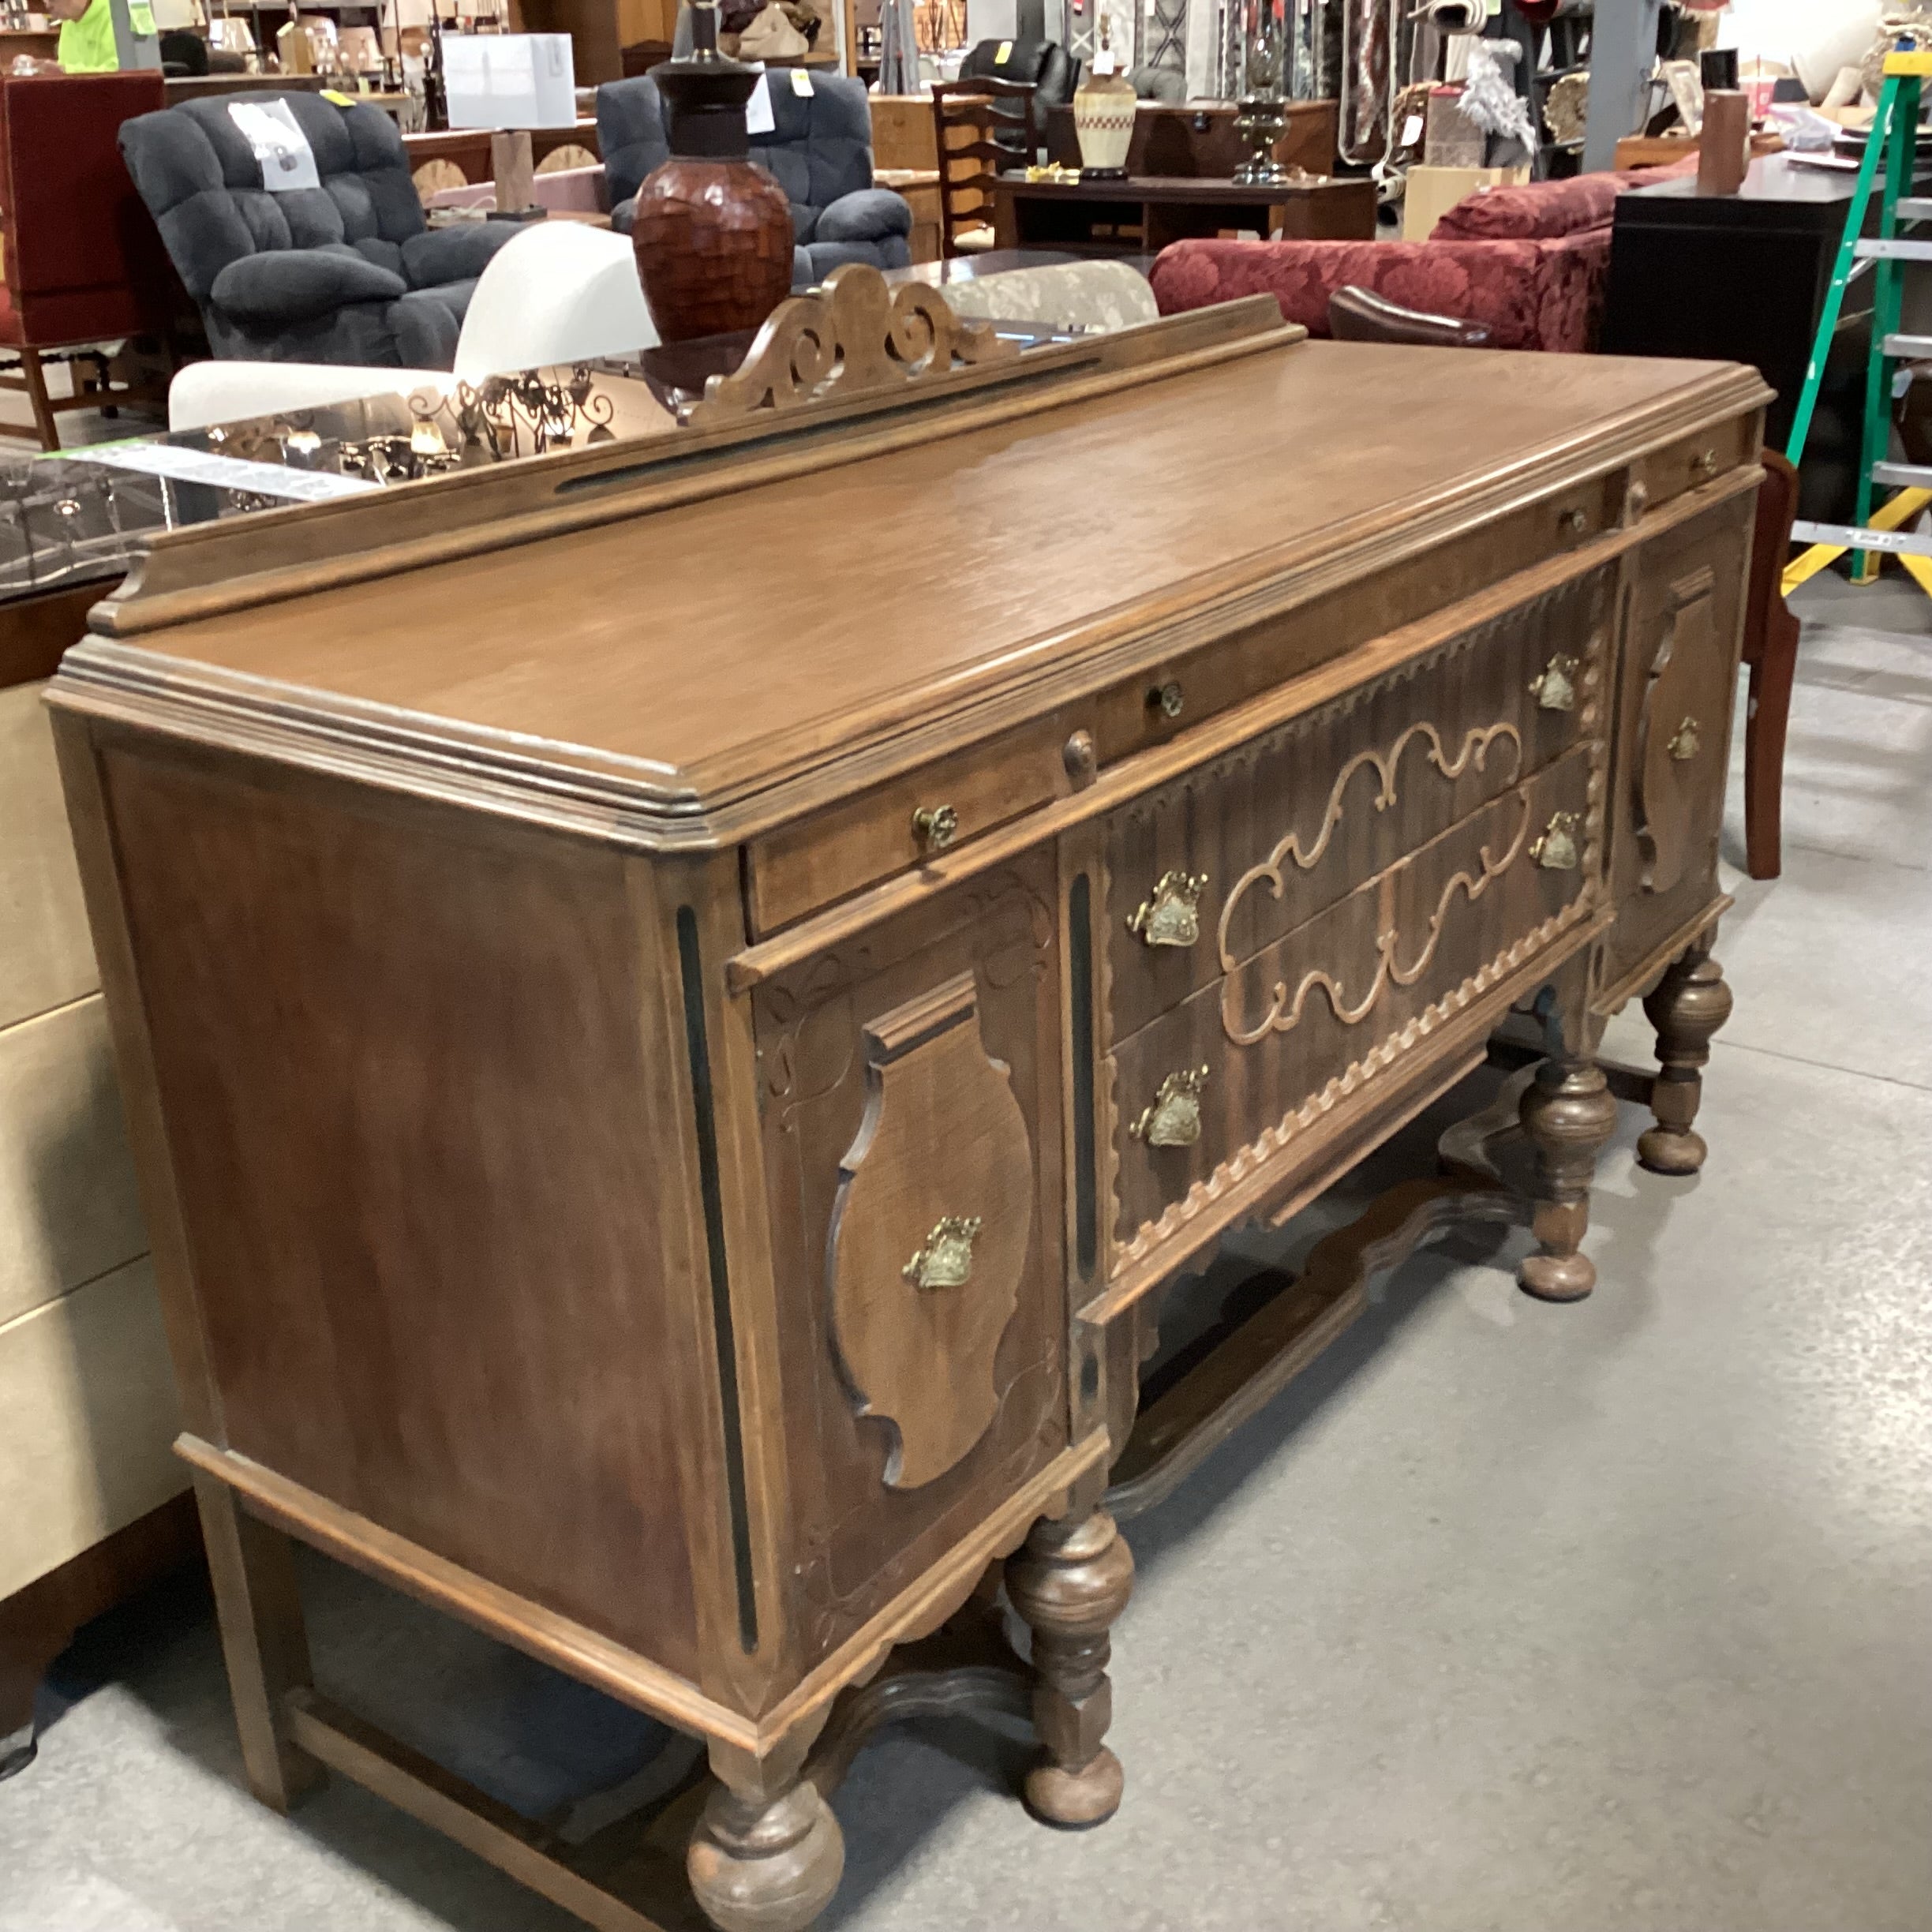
<point x="282" y="149"/>
<point x="801" y="83"/>
<point x="1412" y="131"/>
<point x="1003" y="54"/>
<point x="759" y="118"/>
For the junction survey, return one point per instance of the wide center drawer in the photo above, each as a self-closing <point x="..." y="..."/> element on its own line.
<point x="1242" y="1063"/>
<point x="1209" y="871"/>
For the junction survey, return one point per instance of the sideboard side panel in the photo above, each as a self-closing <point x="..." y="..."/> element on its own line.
<point x="399" y="1051"/>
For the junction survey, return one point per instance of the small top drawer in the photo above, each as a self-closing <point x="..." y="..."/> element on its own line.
<point x="817" y="861"/>
<point x="1690" y="462"/>
<point x="1206" y="872"/>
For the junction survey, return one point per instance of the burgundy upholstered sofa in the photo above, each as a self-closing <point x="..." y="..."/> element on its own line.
<point x="1530" y="261"/>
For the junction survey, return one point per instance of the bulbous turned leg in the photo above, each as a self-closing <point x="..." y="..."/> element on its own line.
<point x="1070" y="1583"/>
<point x="1568" y="1113"/>
<point x="766" y="1855"/>
<point x="1688" y="1005"/>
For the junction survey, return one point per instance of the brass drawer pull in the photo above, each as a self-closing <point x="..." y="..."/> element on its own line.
<point x="1684" y="745"/>
<point x="1174" y="1119"/>
<point x="1555" y="848"/>
<point x="1703" y="464"/>
<point x="1171" y="917"/>
<point x="1167" y="699"/>
<point x="1575" y="521"/>
<point x="1554" y="687"/>
<point x="946" y="1260"/>
<point x="935" y="826"/>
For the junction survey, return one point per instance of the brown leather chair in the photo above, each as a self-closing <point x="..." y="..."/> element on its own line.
<point x="1770" y="630"/>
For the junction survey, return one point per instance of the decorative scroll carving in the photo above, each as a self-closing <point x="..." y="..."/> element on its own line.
<point x="942" y="1132"/>
<point x="1284" y="1012"/>
<point x="1476" y="743"/>
<point x="853" y="335"/>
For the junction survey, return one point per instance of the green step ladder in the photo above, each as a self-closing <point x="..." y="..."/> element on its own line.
<point x="1894" y="138"/>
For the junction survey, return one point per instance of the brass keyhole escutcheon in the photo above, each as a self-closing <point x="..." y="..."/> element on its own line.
<point x="1169" y="915"/>
<point x="1554" y="687"/>
<point x="1554" y="848"/>
<point x="935" y="826"/>
<point x="946" y="1260"/>
<point x="1684" y="745"/>
<point x="1174" y="1121"/>
<point x="1167" y="699"/>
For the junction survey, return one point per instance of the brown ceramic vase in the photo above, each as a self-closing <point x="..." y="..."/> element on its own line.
<point x="712" y="232"/>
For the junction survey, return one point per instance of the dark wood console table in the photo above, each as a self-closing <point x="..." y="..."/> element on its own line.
<point x="1142" y="213"/>
<point x="1742" y="278"/>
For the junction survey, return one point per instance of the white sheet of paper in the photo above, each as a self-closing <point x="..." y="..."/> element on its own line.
<point x="193" y="466"/>
<point x="287" y="161"/>
<point x="801" y="82"/>
<point x="760" y="117"/>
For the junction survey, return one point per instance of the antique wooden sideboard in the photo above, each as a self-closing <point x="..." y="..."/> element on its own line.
<point x="670" y="1068"/>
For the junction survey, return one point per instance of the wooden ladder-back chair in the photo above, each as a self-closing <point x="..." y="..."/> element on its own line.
<point x="980" y="128"/>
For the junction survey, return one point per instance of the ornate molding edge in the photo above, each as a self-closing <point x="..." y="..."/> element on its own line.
<point x="852" y="336"/>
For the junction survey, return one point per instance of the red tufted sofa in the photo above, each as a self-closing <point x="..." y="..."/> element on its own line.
<point x="1530" y="261"/>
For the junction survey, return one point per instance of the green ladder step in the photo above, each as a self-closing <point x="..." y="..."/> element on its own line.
<point x="1893" y="140"/>
<point x="1897" y="543"/>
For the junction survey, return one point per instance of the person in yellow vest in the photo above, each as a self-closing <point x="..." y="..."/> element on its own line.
<point x="87" y="34"/>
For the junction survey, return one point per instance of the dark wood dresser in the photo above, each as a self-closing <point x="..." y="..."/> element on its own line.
<point x="671" y="1065"/>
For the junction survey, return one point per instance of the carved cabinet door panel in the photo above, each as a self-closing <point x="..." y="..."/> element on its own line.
<point x="940" y="1169"/>
<point x="1679" y="680"/>
<point x="910" y="1121"/>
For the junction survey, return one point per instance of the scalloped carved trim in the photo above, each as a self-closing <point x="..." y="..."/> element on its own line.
<point x="854" y="336"/>
<point x="1203" y="1195"/>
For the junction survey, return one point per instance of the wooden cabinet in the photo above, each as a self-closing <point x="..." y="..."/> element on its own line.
<point x="671" y="1073"/>
<point x="1681" y="632"/>
<point x="910" y="1105"/>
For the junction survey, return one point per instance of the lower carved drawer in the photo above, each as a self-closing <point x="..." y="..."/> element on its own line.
<point x="1231" y="1075"/>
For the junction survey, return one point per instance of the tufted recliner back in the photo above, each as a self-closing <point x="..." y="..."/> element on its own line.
<point x="630" y="134"/>
<point x="199" y="176"/>
<point x="821" y="145"/>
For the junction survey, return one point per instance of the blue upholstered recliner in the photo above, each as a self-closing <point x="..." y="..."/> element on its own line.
<point x="350" y="271"/>
<point x="820" y="150"/>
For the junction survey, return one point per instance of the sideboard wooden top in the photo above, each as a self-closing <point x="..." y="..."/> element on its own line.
<point x="692" y="660"/>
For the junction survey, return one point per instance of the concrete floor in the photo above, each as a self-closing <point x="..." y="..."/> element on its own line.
<point x="1507" y="1617"/>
